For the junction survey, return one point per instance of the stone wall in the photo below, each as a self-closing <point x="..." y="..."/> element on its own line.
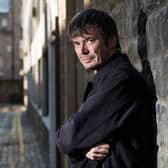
<point x="9" y="45"/>
<point x="5" y="56"/>
<point x="157" y="36"/>
<point x="143" y="31"/>
<point x="10" y="62"/>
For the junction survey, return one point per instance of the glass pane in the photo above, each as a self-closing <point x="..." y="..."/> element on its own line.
<point x="4" y="22"/>
<point x="4" y="6"/>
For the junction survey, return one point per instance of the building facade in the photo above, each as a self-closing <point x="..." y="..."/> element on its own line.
<point x="54" y="80"/>
<point x="10" y="62"/>
<point x="49" y="70"/>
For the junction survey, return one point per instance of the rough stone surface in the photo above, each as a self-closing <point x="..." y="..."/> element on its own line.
<point x="157" y="32"/>
<point x="162" y="139"/>
<point x="157" y="45"/>
<point x="160" y="68"/>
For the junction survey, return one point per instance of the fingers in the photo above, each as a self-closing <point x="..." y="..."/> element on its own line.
<point x="99" y="152"/>
<point x="103" y="147"/>
<point x="95" y="156"/>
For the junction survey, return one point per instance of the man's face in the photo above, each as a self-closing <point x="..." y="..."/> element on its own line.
<point x="91" y="49"/>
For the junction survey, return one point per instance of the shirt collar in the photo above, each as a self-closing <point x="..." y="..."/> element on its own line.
<point x="102" y="70"/>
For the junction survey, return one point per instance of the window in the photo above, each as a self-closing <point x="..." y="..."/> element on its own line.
<point x="4" y="23"/>
<point x="8" y="48"/>
<point x="4" y="6"/>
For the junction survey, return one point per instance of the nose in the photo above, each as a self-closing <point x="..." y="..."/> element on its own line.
<point x="84" y="49"/>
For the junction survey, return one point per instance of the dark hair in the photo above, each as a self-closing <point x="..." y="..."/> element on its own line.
<point x="90" y="18"/>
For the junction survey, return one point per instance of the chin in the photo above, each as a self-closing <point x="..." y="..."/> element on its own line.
<point x="92" y="68"/>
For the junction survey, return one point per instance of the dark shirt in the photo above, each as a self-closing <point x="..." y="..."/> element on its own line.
<point x="117" y="109"/>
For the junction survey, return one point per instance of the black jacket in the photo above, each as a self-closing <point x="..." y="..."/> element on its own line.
<point x="117" y="109"/>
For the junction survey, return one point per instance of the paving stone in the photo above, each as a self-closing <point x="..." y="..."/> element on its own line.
<point x="18" y="145"/>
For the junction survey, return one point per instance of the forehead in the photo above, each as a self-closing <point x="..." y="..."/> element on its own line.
<point x="87" y="33"/>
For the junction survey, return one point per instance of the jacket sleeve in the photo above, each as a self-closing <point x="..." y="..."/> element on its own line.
<point x="101" y="117"/>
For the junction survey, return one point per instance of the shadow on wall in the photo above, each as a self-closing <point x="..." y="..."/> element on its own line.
<point x="147" y="74"/>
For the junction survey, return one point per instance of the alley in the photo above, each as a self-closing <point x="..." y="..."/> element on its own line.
<point x="18" y="145"/>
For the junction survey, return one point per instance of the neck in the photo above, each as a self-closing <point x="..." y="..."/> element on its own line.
<point x="95" y="71"/>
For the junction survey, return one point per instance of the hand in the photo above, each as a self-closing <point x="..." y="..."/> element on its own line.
<point x="98" y="152"/>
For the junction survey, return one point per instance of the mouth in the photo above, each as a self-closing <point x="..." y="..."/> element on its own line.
<point x="86" y="60"/>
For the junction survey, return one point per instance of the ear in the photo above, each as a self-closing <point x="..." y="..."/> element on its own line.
<point x="112" y="43"/>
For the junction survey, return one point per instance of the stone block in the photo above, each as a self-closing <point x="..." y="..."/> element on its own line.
<point x="159" y="68"/>
<point x="163" y="158"/>
<point x="157" y="31"/>
<point x="162" y="124"/>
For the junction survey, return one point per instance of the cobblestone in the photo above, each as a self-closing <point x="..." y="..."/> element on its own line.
<point x="18" y="145"/>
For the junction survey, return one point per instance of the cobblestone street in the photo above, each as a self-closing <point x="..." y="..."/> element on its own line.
<point x="18" y="145"/>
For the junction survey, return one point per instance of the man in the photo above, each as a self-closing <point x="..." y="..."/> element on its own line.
<point x="113" y="127"/>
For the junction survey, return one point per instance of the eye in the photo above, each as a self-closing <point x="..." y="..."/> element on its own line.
<point x="75" y="43"/>
<point x="91" y="40"/>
